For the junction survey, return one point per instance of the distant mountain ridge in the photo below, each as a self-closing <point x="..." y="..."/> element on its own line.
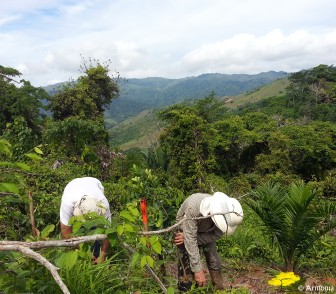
<point x="143" y="129"/>
<point x="138" y="95"/>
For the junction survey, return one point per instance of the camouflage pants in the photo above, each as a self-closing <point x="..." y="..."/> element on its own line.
<point x="185" y="275"/>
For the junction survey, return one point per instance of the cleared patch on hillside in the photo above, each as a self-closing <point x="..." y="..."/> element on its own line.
<point x="276" y="88"/>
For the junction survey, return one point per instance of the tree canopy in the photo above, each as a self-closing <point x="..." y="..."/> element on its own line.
<point x="21" y="109"/>
<point x="88" y="96"/>
<point x="78" y="112"/>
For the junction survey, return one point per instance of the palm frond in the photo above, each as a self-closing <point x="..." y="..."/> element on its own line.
<point x="292" y="216"/>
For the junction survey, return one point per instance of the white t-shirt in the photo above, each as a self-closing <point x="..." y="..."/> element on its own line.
<point x="75" y="190"/>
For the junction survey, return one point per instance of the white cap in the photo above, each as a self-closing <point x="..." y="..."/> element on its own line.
<point x="230" y="212"/>
<point x="89" y="204"/>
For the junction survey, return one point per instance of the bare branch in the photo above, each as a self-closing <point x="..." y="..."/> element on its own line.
<point x="15" y="170"/>
<point x="38" y="257"/>
<point x="8" y="78"/>
<point x="171" y="228"/>
<point x="7" y="194"/>
<point x="57" y="243"/>
<point x="31" y="213"/>
<point x="72" y="242"/>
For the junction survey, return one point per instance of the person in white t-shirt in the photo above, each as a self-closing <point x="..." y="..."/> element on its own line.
<point x="81" y="196"/>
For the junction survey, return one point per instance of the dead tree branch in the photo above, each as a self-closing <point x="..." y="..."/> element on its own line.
<point x="171" y="228"/>
<point x="31" y="213"/>
<point x="15" y="170"/>
<point x="7" y="194"/>
<point x="8" y="78"/>
<point x="56" y="243"/>
<point x="38" y="257"/>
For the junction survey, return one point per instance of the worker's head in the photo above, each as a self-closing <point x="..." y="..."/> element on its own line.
<point x="89" y="204"/>
<point x="228" y="211"/>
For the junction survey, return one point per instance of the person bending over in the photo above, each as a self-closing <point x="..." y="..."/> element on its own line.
<point x="194" y="234"/>
<point x="81" y="196"/>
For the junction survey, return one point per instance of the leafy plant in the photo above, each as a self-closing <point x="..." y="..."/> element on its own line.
<point x="294" y="216"/>
<point x="188" y="142"/>
<point x="13" y="202"/>
<point x="79" y="273"/>
<point x="321" y="256"/>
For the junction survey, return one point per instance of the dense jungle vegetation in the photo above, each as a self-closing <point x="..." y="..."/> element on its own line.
<point x="277" y="156"/>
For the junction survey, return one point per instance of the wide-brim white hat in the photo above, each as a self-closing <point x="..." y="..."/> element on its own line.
<point x="89" y="204"/>
<point x="230" y="212"/>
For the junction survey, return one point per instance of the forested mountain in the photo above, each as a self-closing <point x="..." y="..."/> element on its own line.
<point x="137" y="95"/>
<point x="142" y="130"/>
<point x="142" y="96"/>
<point x="310" y="97"/>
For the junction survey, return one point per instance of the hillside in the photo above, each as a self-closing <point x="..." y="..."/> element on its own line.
<point x="140" y="131"/>
<point x="138" y="95"/>
<point x="273" y="89"/>
<point x="143" y="129"/>
<point x="131" y="120"/>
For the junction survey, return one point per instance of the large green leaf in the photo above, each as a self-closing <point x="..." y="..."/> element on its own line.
<point x="126" y="215"/>
<point x="135" y="259"/>
<point x="129" y="228"/>
<point x="120" y="230"/>
<point x="33" y="156"/>
<point x="146" y="259"/>
<point x="47" y="230"/>
<point x="22" y="166"/>
<point x="5" y="147"/>
<point x="38" y="150"/>
<point x="67" y="260"/>
<point x="9" y="187"/>
<point x="155" y="244"/>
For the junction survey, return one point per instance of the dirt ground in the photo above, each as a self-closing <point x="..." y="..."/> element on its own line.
<point x="255" y="278"/>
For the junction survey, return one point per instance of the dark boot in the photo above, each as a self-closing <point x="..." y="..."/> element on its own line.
<point x="184" y="286"/>
<point x="217" y="279"/>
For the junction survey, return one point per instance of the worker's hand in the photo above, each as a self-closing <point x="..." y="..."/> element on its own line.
<point x="179" y="239"/>
<point x="200" y="278"/>
<point x="96" y="260"/>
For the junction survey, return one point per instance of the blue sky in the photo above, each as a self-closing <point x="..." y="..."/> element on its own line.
<point x="44" y="39"/>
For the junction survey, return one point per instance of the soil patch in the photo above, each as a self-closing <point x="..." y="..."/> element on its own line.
<point x="255" y="278"/>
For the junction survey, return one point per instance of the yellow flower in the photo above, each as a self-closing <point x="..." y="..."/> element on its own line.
<point x="284" y="279"/>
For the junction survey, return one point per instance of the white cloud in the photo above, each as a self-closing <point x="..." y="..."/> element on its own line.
<point x="49" y="58"/>
<point x="170" y="38"/>
<point x="272" y="51"/>
<point x="8" y="19"/>
<point x="73" y="10"/>
<point x="22" y="68"/>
